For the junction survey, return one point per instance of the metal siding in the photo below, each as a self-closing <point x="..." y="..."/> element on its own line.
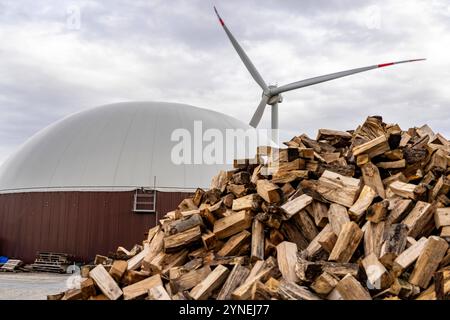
<point x="78" y="223"/>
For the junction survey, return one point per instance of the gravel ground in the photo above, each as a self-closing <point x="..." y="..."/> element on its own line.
<point x="31" y="286"/>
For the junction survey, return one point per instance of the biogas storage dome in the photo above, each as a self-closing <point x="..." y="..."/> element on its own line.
<point x="119" y="147"/>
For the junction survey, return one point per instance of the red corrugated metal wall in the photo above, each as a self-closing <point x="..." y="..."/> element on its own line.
<point x="78" y="223"/>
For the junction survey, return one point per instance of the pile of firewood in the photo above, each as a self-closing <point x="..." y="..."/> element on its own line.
<point x="362" y="214"/>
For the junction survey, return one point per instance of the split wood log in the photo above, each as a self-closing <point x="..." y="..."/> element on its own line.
<point x="190" y="279"/>
<point x="372" y="148"/>
<point x="319" y="212"/>
<point x="214" y="280"/>
<point x="372" y="178"/>
<point x="408" y="257"/>
<point x="181" y="240"/>
<point x="346" y="243"/>
<point x="294" y="206"/>
<point x="324" y="283"/>
<point x="237" y="276"/>
<point x="158" y="293"/>
<point x="228" y="226"/>
<point x="249" y="202"/>
<point x="187" y="223"/>
<point x="428" y="261"/>
<point x="287" y="259"/>
<point x="234" y="244"/>
<point x="118" y="269"/>
<point x="269" y="191"/>
<point x="105" y="282"/>
<point x="351" y="289"/>
<point x="442" y="217"/>
<point x="373" y="238"/>
<point x="155" y="247"/>
<point x="394" y="244"/>
<point x="377" y="275"/>
<point x="140" y="289"/>
<point x="257" y="245"/>
<point x="337" y="216"/>
<point x="289" y="290"/>
<point x="358" y="209"/>
<point x="418" y="218"/>
<point x="338" y="188"/>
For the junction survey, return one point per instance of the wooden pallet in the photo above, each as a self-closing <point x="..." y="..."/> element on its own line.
<point x="11" y="265"/>
<point x="51" y="262"/>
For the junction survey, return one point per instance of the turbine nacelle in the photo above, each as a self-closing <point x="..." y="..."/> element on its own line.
<point x="272" y="98"/>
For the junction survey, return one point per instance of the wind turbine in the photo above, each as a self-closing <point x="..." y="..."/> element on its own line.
<point x="272" y="94"/>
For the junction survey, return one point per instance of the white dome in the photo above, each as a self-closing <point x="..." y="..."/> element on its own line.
<point x="113" y="147"/>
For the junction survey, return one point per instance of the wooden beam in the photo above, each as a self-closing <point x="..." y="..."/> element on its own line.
<point x="347" y="242"/>
<point x="105" y="282"/>
<point x="228" y="226"/>
<point x="140" y="289"/>
<point x="181" y="240"/>
<point x="214" y="280"/>
<point x="257" y="246"/>
<point x="294" y="206"/>
<point x="358" y="209"/>
<point x="287" y="259"/>
<point x="428" y="261"/>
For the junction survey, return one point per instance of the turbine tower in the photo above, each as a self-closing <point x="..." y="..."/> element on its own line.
<point x="272" y="94"/>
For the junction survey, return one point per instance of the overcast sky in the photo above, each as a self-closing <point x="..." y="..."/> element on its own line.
<point x="59" y="57"/>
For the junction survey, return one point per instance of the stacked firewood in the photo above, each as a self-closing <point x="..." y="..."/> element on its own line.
<point x="361" y="214"/>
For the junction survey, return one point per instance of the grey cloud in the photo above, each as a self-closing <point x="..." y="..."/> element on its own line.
<point x="176" y="51"/>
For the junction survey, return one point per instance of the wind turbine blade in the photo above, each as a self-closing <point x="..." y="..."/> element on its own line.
<point x="332" y="76"/>
<point x="245" y="59"/>
<point x="259" y="112"/>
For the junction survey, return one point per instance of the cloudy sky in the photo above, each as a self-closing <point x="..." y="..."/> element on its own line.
<point x="59" y="57"/>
